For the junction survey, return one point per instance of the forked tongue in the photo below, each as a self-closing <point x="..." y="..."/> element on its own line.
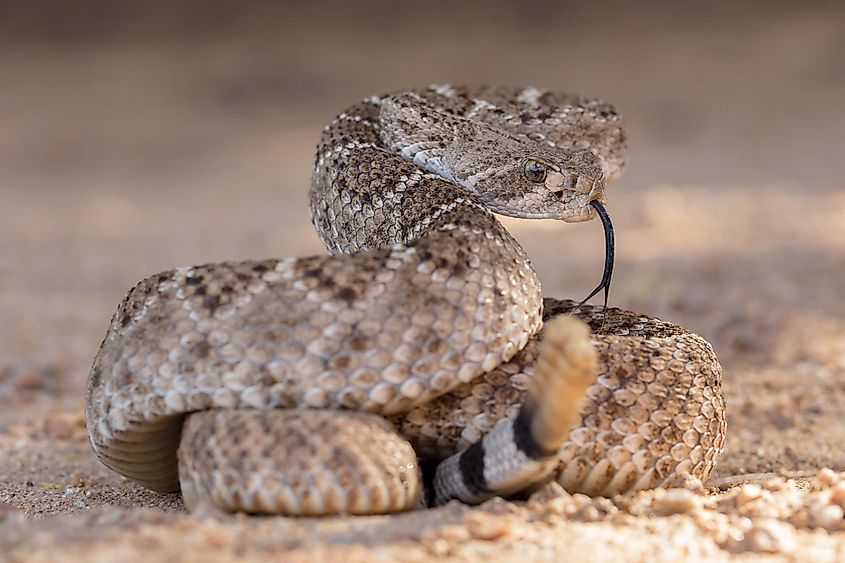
<point x="609" y="254"/>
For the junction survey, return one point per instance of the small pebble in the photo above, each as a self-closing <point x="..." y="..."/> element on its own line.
<point x="453" y="533"/>
<point x="559" y="506"/>
<point x="438" y="546"/>
<point x="748" y="492"/>
<point x="827" y="476"/>
<point x="770" y="536"/>
<point x="676" y="501"/>
<point x="775" y="484"/>
<point x="837" y="494"/>
<point x="588" y="514"/>
<point x="550" y="491"/>
<point x="484" y="526"/>
<point x="551" y="499"/>
<point x="829" y="517"/>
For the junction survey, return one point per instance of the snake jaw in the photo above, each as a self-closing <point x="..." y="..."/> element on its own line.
<point x="596" y="192"/>
<point x="575" y="190"/>
<point x="576" y="183"/>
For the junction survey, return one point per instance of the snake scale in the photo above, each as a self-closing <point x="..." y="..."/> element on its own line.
<point x="309" y="386"/>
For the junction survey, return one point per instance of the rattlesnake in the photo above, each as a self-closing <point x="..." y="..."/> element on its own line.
<point x="428" y="313"/>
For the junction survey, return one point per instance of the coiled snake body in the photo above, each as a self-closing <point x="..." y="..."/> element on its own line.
<point x="272" y="379"/>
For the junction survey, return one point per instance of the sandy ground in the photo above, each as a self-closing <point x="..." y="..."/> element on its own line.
<point x="156" y="139"/>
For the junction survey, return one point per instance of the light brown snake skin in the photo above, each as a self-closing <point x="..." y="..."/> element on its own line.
<point x="426" y="312"/>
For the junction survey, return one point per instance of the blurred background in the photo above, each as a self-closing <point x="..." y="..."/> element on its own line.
<point x="138" y="136"/>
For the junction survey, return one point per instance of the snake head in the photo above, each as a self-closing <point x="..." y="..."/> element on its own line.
<point x="561" y="186"/>
<point x="520" y="178"/>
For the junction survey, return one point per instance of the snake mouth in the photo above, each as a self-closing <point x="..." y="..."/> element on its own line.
<point x="609" y="253"/>
<point x="577" y="184"/>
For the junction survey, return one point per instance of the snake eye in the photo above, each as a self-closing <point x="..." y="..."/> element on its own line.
<point x="534" y="170"/>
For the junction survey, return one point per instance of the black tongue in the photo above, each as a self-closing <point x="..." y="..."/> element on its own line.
<point x="609" y="253"/>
